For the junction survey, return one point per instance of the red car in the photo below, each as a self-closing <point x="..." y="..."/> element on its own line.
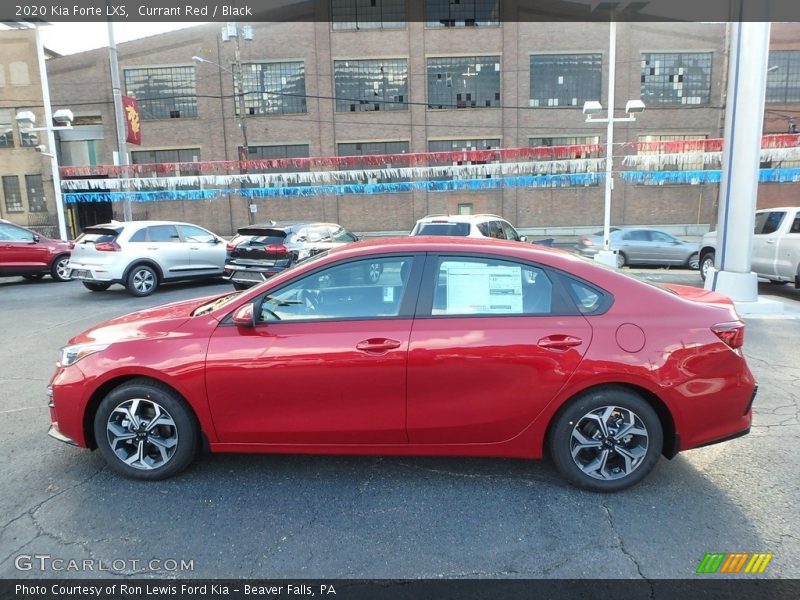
<point x="26" y="253"/>
<point x="461" y="347"/>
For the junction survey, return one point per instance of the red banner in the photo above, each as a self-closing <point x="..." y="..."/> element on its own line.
<point x="130" y="108"/>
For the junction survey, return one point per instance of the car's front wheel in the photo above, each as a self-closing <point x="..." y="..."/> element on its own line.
<point x="142" y="281"/>
<point x="59" y="270"/>
<point x="606" y="440"/>
<point x="621" y="260"/>
<point x="144" y="430"/>
<point x="706" y="264"/>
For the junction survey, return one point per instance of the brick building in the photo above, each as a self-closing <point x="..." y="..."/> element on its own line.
<point x="26" y="182"/>
<point x="389" y="82"/>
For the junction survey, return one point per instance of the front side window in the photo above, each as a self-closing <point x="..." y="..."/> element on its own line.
<point x="486" y="286"/>
<point x="637" y="235"/>
<point x="676" y="78"/>
<point x="462" y="13"/>
<point x="464" y="82"/>
<point x="193" y="235"/>
<point x="273" y="88"/>
<point x="565" y="79"/>
<point x="371" y="85"/>
<point x="660" y="236"/>
<point x="340" y="234"/>
<point x="163" y="92"/>
<point x="12" y="194"/>
<point x="36" y="200"/>
<point x="368" y="14"/>
<point x="344" y="291"/>
<point x="768" y="222"/>
<point x="509" y="232"/>
<point x="9" y="233"/>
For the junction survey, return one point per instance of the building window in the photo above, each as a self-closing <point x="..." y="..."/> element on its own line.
<point x="663" y="161"/>
<point x="574" y="140"/>
<point x="181" y="155"/>
<point x="277" y="151"/>
<point x="565" y="79"/>
<point x="676" y="78"/>
<point x="371" y="148"/>
<point x="462" y="13"/>
<point x="6" y="128"/>
<point x="19" y="73"/>
<point x="163" y="92"/>
<point x="466" y="208"/>
<point x="273" y="88"/>
<point x="36" y="200"/>
<point x="368" y="14"/>
<point x="28" y="138"/>
<point x="369" y="85"/>
<point x="783" y="77"/>
<point x="462" y="146"/>
<point x="464" y="82"/>
<point x="12" y="193"/>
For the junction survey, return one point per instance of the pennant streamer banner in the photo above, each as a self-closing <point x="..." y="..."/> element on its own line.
<point x="528" y="181"/>
<point x="693" y="159"/>
<point x="791" y="175"/>
<point x="709" y="145"/>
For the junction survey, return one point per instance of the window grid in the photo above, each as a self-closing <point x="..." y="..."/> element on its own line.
<point x="6" y="128"/>
<point x="178" y="155"/>
<point x="565" y="79"/>
<point x="569" y="140"/>
<point x="464" y="82"/>
<point x="462" y="146"/>
<point x="371" y="85"/>
<point x="12" y="193"/>
<point x="368" y="14"/>
<point x="273" y="88"/>
<point x="369" y="148"/>
<point x="29" y="138"/>
<point x="462" y="13"/>
<point x="662" y="165"/>
<point x="36" y="198"/>
<point x="277" y="151"/>
<point x="163" y="92"/>
<point x="676" y="78"/>
<point x="783" y="78"/>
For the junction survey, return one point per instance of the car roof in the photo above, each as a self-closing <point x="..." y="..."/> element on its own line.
<point x="479" y="218"/>
<point x="287" y="225"/>
<point x="125" y="224"/>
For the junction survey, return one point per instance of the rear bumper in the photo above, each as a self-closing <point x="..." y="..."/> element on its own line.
<point x="98" y="273"/>
<point x="250" y="275"/>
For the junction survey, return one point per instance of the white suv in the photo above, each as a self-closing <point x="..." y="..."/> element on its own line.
<point x="140" y="255"/>
<point x="481" y="226"/>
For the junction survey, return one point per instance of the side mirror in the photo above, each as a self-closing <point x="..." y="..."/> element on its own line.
<point x="216" y="241"/>
<point x="523" y="238"/>
<point x="245" y="316"/>
<point x="36" y="238"/>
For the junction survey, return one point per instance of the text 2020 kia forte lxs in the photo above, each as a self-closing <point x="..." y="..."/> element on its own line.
<point x="461" y="347"/>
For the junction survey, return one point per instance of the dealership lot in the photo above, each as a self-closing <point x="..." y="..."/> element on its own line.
<point x="300" y="516"/>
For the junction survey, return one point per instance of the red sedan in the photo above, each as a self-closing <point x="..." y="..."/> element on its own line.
<point x="461" y="347"/>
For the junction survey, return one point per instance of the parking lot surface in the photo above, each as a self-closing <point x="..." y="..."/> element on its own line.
<point x="306" y="516"/>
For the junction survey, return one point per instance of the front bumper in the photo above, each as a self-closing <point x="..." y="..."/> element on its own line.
<point x="54" y="433"/>
<point x="586" y="251"/>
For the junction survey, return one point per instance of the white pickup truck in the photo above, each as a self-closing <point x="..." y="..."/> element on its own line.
<point x="776" y="246"/>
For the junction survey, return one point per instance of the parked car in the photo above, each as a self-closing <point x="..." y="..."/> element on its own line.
<point x="776" y="246"/>
<point x="261" y="251"/>
<point x="141" y="255"/>
<point x="27" y="254"/>
<point x="642" y="246"/>
<point x="478" y="226"/>
<point x="469" y="347"/>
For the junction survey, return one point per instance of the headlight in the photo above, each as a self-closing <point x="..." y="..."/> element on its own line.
<point x="72" y="354"/>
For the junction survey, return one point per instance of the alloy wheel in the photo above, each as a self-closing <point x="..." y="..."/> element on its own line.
<point x="142" y="434"/>
<point x="609" y="442"/>
<point x="143" y="281"/>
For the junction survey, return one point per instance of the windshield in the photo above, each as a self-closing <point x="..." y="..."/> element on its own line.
<point x="214" y="304"/>
<point x="459" y="229"/>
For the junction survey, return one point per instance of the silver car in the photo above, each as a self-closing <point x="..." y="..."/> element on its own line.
<point x="642" y="246"/>
<point x="141" y="255"/>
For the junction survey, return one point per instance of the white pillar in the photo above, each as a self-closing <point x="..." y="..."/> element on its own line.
<point x="747" y="82"/>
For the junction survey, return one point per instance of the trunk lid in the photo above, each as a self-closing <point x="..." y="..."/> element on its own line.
<point x="259" y="246"/>
<point x="85" y="251"/>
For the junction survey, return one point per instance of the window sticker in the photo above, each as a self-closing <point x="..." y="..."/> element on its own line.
<point x="483" y="289"/>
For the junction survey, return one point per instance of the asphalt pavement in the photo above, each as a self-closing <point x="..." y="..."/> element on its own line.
<point x="305" y="516"/>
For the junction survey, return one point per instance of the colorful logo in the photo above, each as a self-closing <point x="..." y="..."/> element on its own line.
<point x="734" y="562"/>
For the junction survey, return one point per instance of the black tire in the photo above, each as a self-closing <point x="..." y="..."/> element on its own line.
<point x="184" y="430"/>
<point x="33" y="276"/>
<point x="240" y="286"/>
<point x="693" y="262"/>
<point x="58" y="269"/>
<point x="573" y="418"/>
<point x="142" y="281"/>
<point x="706" y="262"/>
<point x="96" y="287"/>
<point x="775" y="282"/>
<point x="622" y="260"/>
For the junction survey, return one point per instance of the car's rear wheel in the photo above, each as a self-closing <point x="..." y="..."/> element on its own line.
<point x="606" y="440"/>
<point x="59" y="270"/>
<point x="694" y="261"/>
<point x="142" y="281"/>
<point x="706" y="263"/>
<point x="33" y="276"/>
<point x="145" y="431"/>
<point x="776" y="282"/>
<point x="621" y="260"/>
<point x="96" y="287"/>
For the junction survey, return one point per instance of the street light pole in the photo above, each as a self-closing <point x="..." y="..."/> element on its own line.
<point x="119" y="117"/>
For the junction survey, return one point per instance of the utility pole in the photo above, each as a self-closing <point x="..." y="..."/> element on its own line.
<point x="119" y="117"/>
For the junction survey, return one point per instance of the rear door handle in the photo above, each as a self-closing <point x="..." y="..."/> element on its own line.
<point x="378" y="345"/>
<point x="559" y="342"/>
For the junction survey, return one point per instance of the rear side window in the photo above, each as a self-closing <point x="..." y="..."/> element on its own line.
<point x="588" y="299"/>
<point x="459" y="229"/>
<point x="139" y="236"/>
<point x="162" y="233"/>
<point x="97" y="236"/>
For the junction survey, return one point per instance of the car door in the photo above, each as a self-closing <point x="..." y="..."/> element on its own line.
<point x="765" y="241"/>
<point x="325" y="363"/>
<point x="493" y="342"/>
<point x="20" y="250"/>
<point x="666" y="249"/>
<point x="206" y="252"/>
<point x="788" y="253"/>
<point x="635" y="245"/>
<point x="165" y="247"/>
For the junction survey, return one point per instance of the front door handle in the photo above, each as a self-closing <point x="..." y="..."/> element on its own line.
<point x="559" y="342"/>
<point x="378" y="345"/>
<point x="771" y="241"/>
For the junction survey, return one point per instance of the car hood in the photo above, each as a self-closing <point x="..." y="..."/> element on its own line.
<point x="142" y="324"/>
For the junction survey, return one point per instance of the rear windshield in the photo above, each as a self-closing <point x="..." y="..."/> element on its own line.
<point x="260" y="237"/>
<point x="97" y="235"/>
<point x="442" y="229"/>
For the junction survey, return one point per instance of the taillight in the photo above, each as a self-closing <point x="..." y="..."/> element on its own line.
<point x="278" y="249"/>
<point x="107" y="247"/>
<point x="72" y="245"/>
<point x="230" y="247"/>
<point x="586" y="242"/>
<point x="731" y="333"/>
